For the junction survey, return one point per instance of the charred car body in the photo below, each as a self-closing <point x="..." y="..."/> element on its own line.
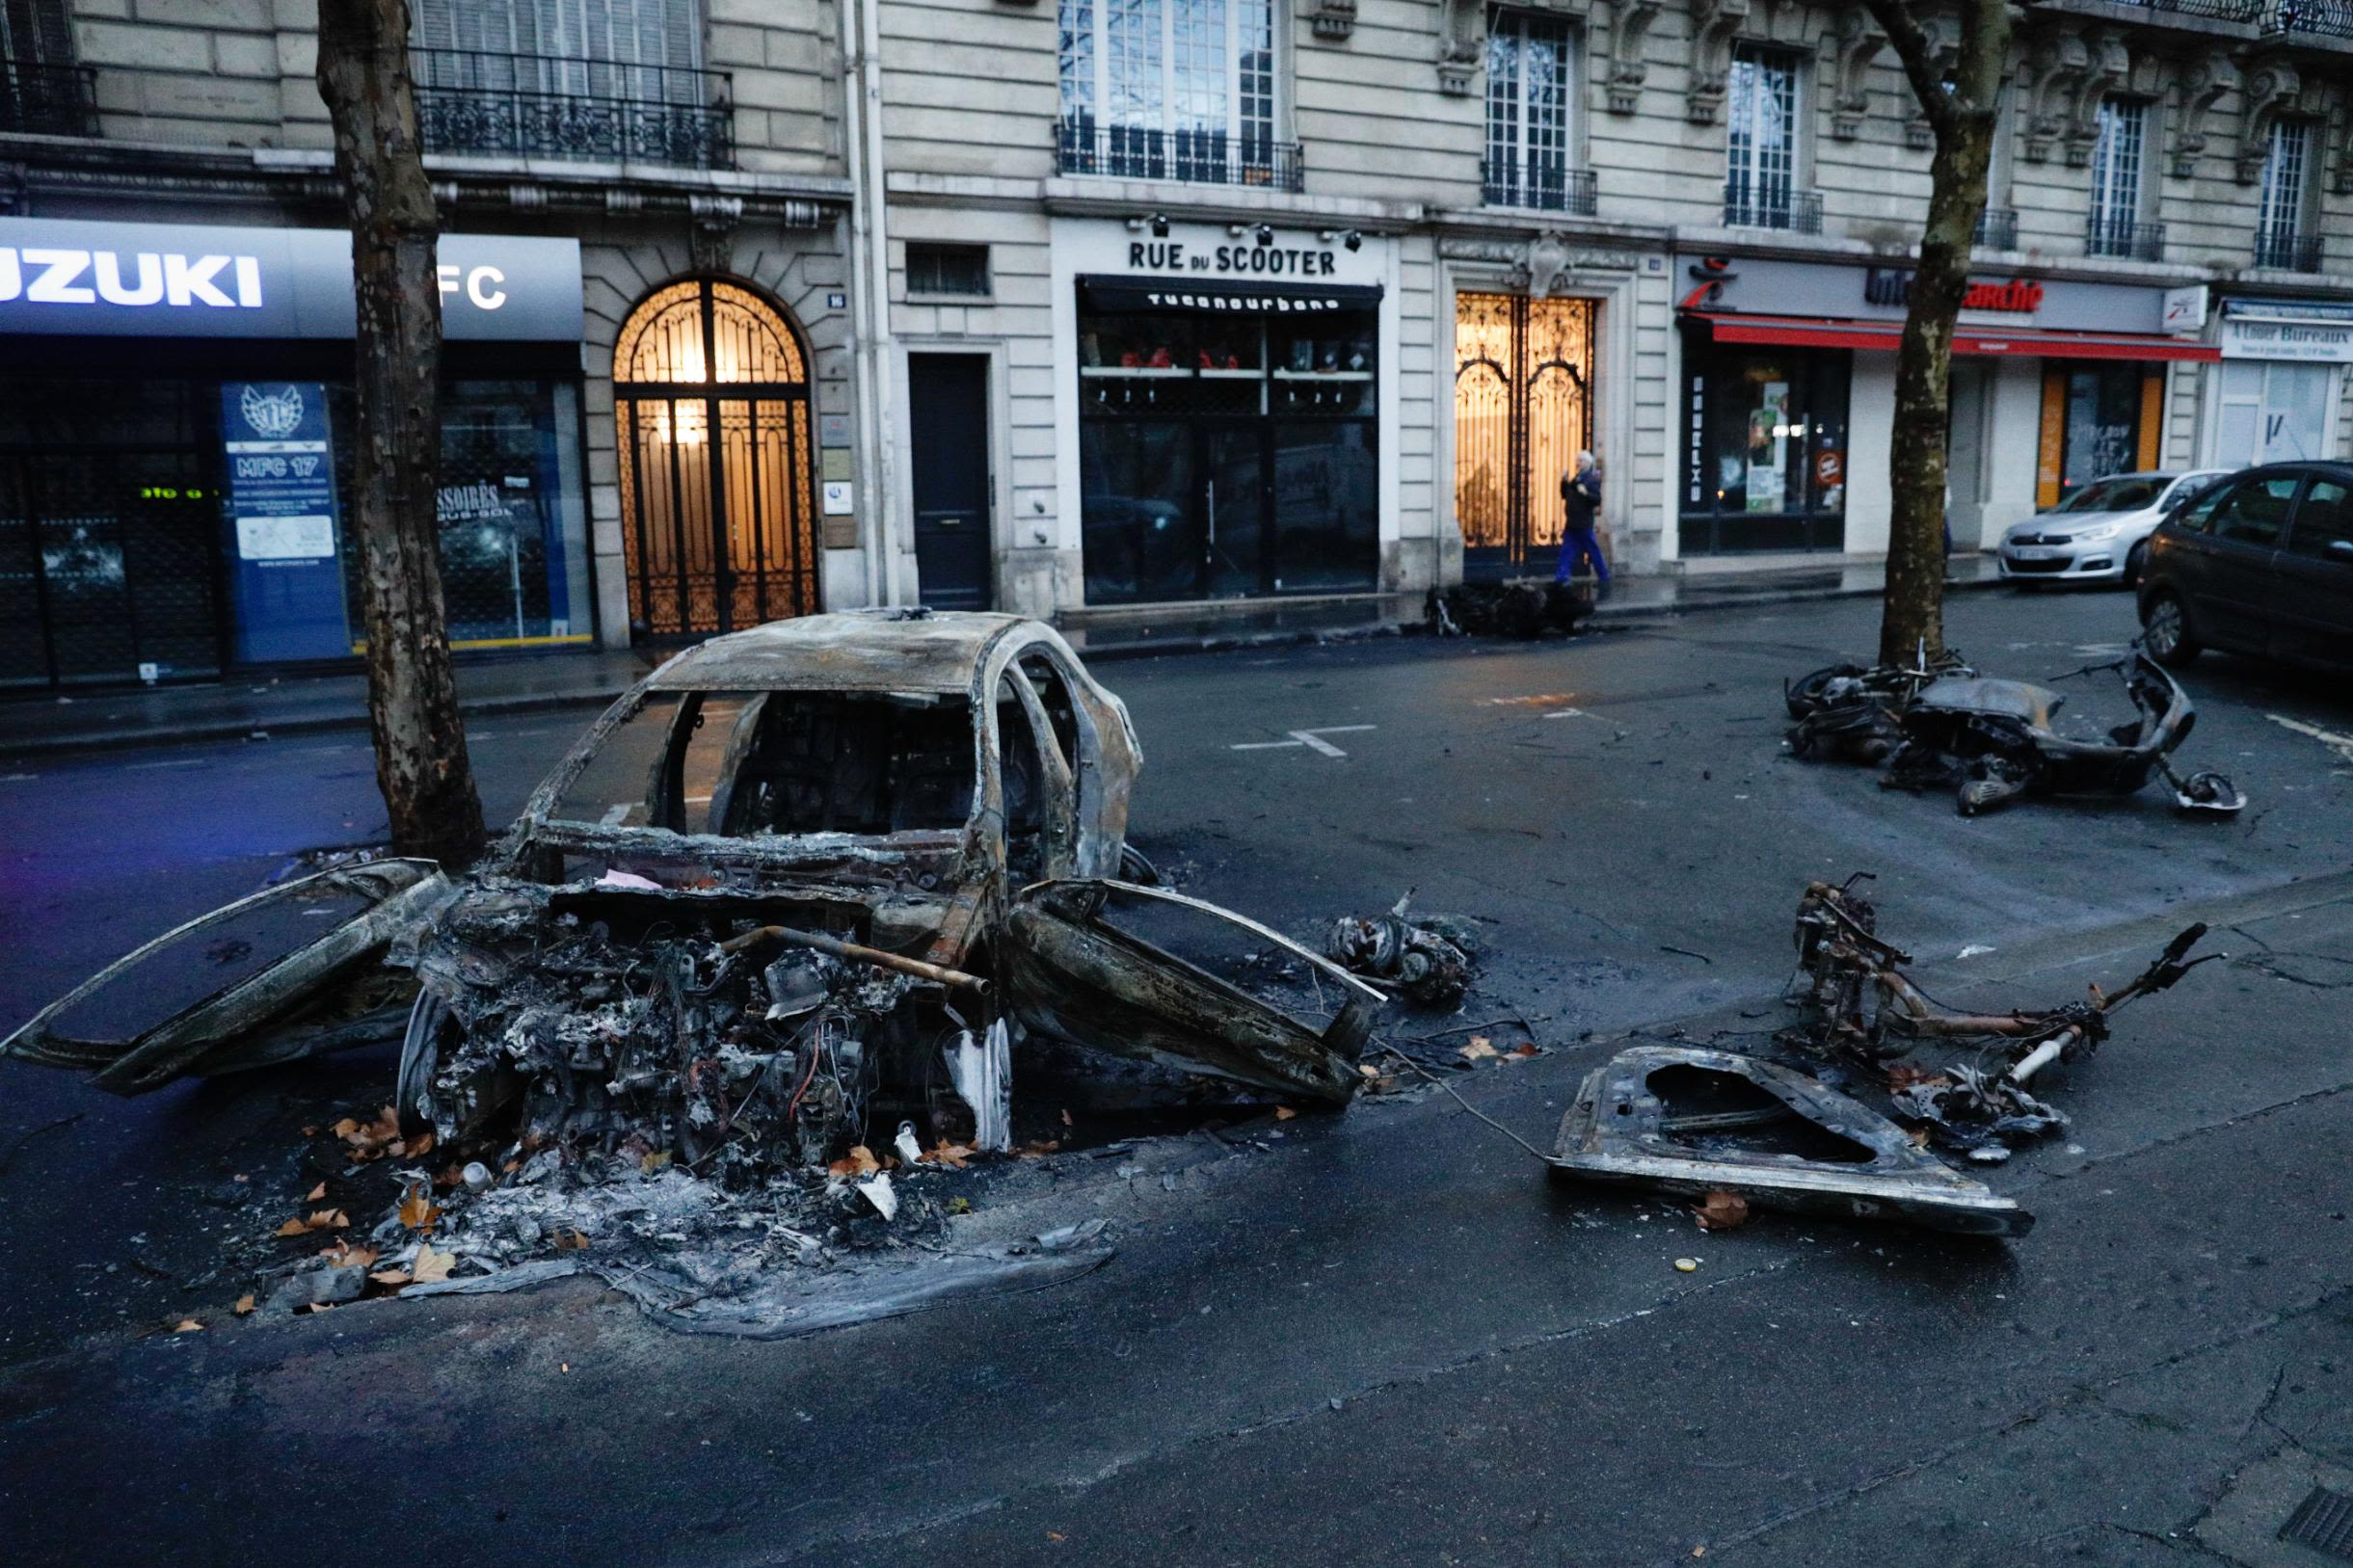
<point x="803" y="878"/>
<point x="1941" y="725"/>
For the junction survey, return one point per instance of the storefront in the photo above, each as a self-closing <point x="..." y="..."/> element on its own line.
<point x="1787" y="394"/>
<point x="2276" y="394"/>
<point x="1229" y="407"/>
<point x="175" y="423"/>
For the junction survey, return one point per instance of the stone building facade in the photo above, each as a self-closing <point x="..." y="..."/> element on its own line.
<point x="1068" y="307"/>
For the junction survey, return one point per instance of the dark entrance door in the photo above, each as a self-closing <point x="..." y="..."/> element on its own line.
<point x="947" y="407"/>
<point x="1523" y="411"/>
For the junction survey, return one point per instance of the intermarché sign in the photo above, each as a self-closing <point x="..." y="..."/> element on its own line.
<point x="2021" y="296"/>
<point x="73" y="278"/>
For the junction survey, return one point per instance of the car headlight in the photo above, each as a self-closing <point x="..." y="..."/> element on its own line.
<point x="2097" y="532"/>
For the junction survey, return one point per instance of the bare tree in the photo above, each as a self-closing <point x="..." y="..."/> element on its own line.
<point x="421" y="765"/>
<point x="1963" y="110"/>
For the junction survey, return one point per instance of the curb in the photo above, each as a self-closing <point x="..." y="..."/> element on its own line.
<point x="1612" y="618"/>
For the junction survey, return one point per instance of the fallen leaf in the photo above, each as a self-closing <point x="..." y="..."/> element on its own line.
<point x="1367" y="1069"/>
<point x="319" y="1219"/>
<point x="391" y="1276"/>
<point x="420" y="1145"/>
<point x="187" y="1325"/>
<point x="371" y="1141"/>
<point x="1036" y="1149"/>
<point x="1525" y="1048"/>
<point x="292" y="1227"/>
<point x="315" y="1193"/>
<point x="952" y="1155"/>
<point x="417" y="1211"/>
<point x="310" y="1131"/>
<point x="1055" y="1535"/>
<point x="1721" y="1211"/>
<point x="570" y="1240"/>
<point x="1284" y="1113"/>
<point x="316" y="1306"/>
<point x="652" y="1161"/>
<point x="244" y="1305"/>
<point x="431" y="1265"/>
<point x="349" y="1253"/>
<point x="1478" y="1049"/>
<point x="1066" y="1121"/>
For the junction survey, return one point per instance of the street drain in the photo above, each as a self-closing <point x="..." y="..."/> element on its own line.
<point x="2323" y="1522"/>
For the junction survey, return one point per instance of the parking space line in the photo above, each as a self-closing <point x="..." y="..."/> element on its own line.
<point x="1311" y="740"/>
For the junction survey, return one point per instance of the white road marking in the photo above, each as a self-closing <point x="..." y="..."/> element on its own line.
<point x="182" y="762"/>
<point x="1568" y="714"/>
<point x="2342" y="745"/>
<point x="1311" y="740"/>
<point x="698" y="800"/>
<point x="19" y="777"/>
<point x="613" y="814"/>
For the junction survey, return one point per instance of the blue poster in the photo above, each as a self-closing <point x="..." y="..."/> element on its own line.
<point x="285" y="577"/>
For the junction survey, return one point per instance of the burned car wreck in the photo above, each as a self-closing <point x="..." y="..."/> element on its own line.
<point x="804" y="885"/>
<point x="1795" y="1134"/>
<point x="1938" y="723"/>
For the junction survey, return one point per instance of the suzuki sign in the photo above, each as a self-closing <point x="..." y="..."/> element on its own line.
<point x="68" y="277"/>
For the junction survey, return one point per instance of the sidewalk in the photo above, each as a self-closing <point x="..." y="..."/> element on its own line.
<point x="294" y="705"/>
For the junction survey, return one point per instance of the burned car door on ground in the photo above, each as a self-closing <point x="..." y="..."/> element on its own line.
<point x="1095" y="962"/>
<point x="290" y="972"/>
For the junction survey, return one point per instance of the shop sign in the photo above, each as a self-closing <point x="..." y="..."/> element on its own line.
<point x="1828" y="292"/>
<point x="71" y="276"/>
<point x="2021" y="296"/>
<point x="2312" y="334"/>
<point x="2185" y="309"/>
<point x="287" y="578"/>
<point x="1211" y="253"/>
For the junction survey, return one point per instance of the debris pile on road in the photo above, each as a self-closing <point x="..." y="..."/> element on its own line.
<point x="1426" y="960"/>
<point x="1783" y="1134"/>
<point x="1937" y="724"/>
<point x="1522" y="611"/>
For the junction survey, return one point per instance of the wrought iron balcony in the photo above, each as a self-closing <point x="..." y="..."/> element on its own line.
<point x="2331" y="19"/>
<point x="1996" y="230"/>
<point x="1796" y="212"/>
<point x="2126" y="238"/>
<point x="2288" y="252"/>
<point x="1196" y="157"/>
<point x="48" y="100"/>
<point x="1537" y="186"/>
<point x="2216" y="10"/>
<point x="539" y="106"/>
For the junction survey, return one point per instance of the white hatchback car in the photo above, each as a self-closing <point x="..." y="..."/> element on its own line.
<point x="2100" y="533"/>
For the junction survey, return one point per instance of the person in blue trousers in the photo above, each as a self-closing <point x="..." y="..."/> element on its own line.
<point x="1582" y="491"/>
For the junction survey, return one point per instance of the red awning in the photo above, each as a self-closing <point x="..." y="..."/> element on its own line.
<point x="1798" y="332"/>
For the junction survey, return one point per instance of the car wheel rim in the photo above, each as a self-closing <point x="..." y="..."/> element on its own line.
<point x="2164" y="626"/>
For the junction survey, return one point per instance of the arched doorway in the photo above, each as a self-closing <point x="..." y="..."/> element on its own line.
<point x="711" y="397"/>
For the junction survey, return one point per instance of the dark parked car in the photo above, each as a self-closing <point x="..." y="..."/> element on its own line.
<point x="2261" y="564"/>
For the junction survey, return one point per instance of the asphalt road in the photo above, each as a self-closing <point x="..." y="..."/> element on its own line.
<point x="1383" y="1336"/>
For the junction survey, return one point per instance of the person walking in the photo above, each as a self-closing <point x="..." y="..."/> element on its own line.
<point x="1582" y="491"/>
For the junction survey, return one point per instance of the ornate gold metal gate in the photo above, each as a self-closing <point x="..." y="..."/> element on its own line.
<point x="1523" y="411"/>
<point x="712" y="396"/>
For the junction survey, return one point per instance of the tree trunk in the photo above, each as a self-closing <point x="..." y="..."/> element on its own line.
<point x="1966" y="121"/>
<point x="421" y="763"/>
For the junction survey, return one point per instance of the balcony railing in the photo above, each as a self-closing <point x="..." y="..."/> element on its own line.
<point x="48" y="100"/>
<point x="2288" y="253"/>
<point x="1196" y="157"/>
<point x="1504" y="183"/>
<point x="2219" y="11"/>
<point x="2319" y="19"/>
<point x="1797" y="212"/>
<point x="1996" y="230"/>
<point x="2128" y="238"/>
<point x="539" y="106"/>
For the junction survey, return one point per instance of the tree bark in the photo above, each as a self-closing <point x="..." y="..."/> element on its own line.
<point x="421" y="763"/>
<point x="1965" y="116"/>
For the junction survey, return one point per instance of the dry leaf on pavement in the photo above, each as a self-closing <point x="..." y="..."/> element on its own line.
<point x="431" y="1265"/>
<point x="1478" y="1049"/>
<point x="187" y="1325"/>
<point x="1284" y="1113"/>
<point x="349" y="1253"/>
<point x="1721" y="1211"/>
<point x="417" y="1211"/>
<point x="244" y="1305"/>
<point x="394" y="1277"/>
<point x="950" y="1154"/>
<point x="315" y="1193"/>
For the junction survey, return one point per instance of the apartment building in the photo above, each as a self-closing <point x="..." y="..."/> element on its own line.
<point x="1068" y="307"/>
